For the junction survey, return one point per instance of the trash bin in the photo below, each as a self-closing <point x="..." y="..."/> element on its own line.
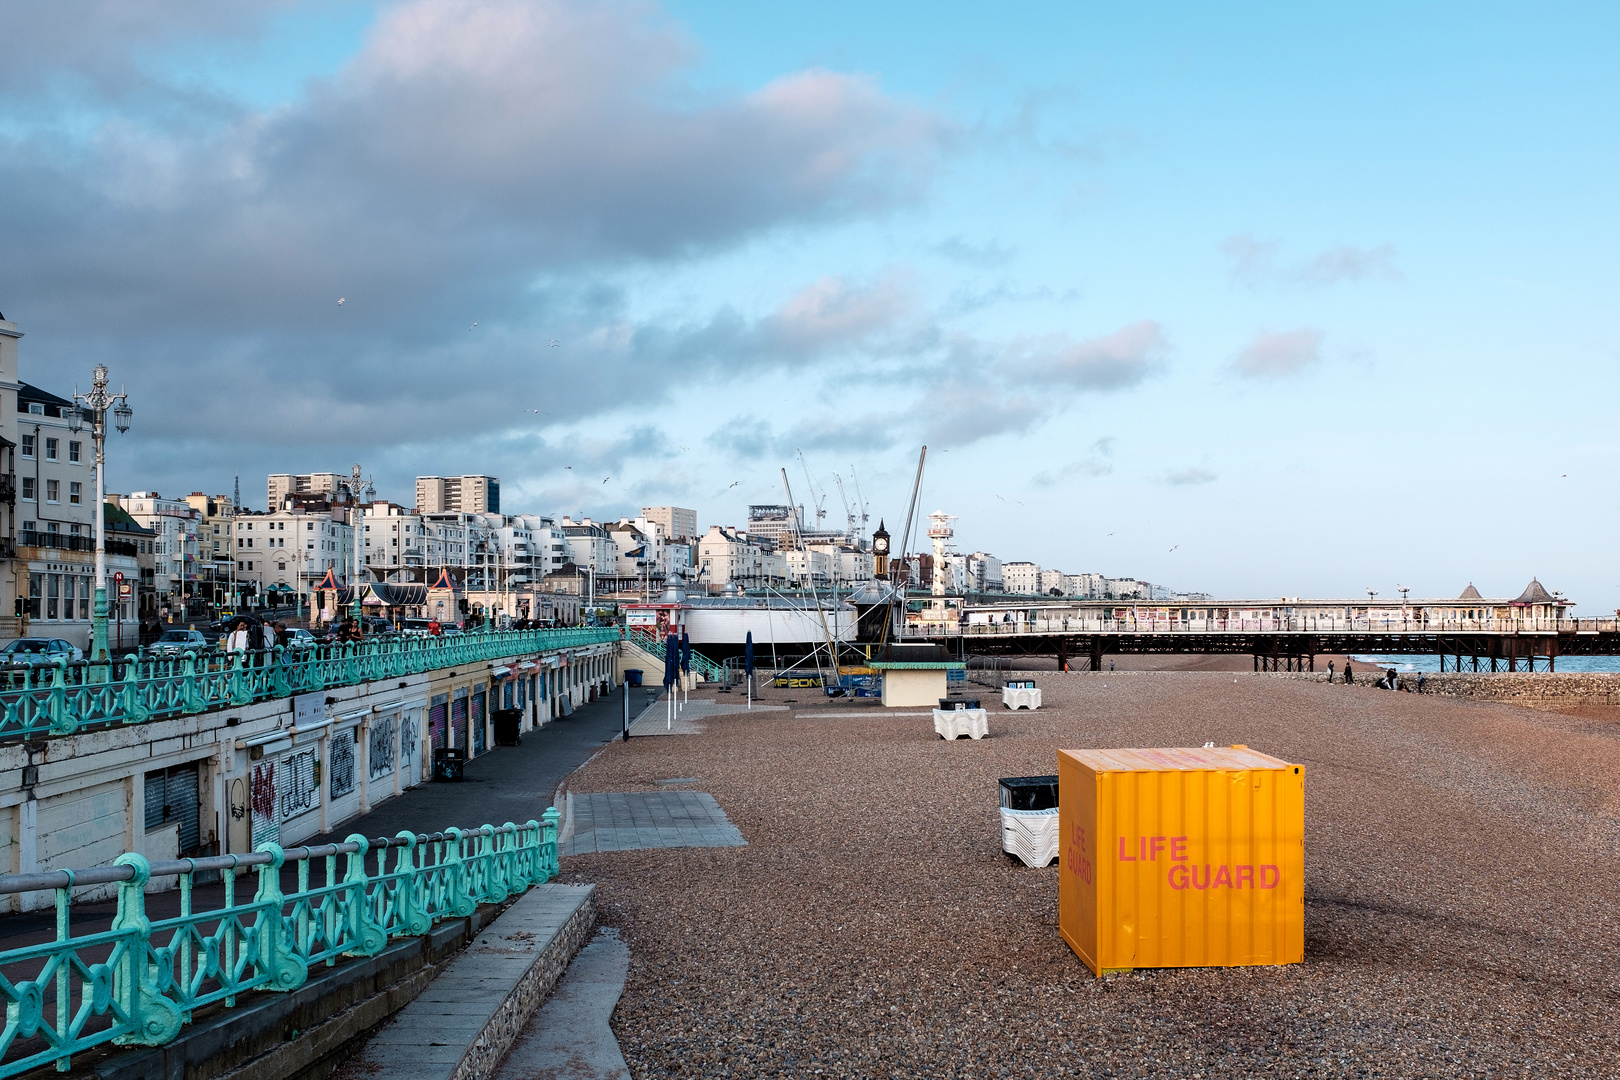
<point x="1029" y="792"/>
<point x="448" y="762"/>
<point x="949" y="703"/>
<point x="632" y="676"/>
<point x="508" y="726"/>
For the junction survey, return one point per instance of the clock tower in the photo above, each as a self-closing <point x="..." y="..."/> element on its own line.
<point x="880" y="552"/>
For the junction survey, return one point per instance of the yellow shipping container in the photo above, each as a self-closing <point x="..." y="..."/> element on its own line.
<point x="1181" y="858"/>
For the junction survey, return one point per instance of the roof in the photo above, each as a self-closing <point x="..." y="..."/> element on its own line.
<point x="27" y="393"/>
<point x="1535" y="594"/>
<point x="1470" y="593"/>
<point x="1217" y="759"/>
<point x="118" y="520"/>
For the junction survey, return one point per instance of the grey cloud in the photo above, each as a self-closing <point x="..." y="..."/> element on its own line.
<point x="1189" y="477"/>
<point x="1115" y="361"/>
<point x="1098" y="462"/>
<point x="987" y="255"/>
<point x="1277" y="356"/>
<point x="745" y="438"/>
<point x="1255" y="263"/>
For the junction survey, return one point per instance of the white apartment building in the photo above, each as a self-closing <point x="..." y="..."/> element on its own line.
<point x="591" y="546"/>
<point x="394" y="543"/>
<point x="215" y="553"/>
<point x="984" y="572"/>
<point x="850" y="565"/>
<point x="307" y="485"/>
<point x="679" y="524"/>
<point x="176" y="524"/>
<point x="810" y="568"/>
<point x="548" y="544"/>
<point x="1088" y="586"/>
<point x="732" y="556"/>
<point x="458" y="495"/>
<point x="1023" y="578"/>
<point x="288" y="551"/>
<point x="640" y="547"/>
<point x="1127" y="589"/>
<point x="775" y="523"/>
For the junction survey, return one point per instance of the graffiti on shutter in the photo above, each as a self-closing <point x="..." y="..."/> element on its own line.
<point x="262" y="799"/>
<point x="300" y="784"/>
<point x="380" y="750"/>
<point x="437" y="714"/>
<point x="407" y="740"/>
<point x="343" y="770"/>
<point x="478" y="722"/>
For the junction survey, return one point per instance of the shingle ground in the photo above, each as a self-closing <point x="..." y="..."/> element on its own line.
<point x="1463" y="873"/>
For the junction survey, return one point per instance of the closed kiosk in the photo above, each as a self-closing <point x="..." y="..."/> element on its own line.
<point x="1181" y="858"/>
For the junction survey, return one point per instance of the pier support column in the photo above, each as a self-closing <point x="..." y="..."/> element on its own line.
<point x="1096" y="652"/>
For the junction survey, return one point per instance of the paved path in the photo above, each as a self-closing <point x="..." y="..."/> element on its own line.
<point x="631" y="820"/>
<point x="655" y="720"/>
<point x="570" y="1038"/>
<point x="509" y="783"/>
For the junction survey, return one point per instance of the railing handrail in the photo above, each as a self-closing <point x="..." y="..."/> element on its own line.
<point x="107" y="875"/>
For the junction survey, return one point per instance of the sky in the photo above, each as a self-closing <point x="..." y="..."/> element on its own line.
<point x="1258" y="300"/>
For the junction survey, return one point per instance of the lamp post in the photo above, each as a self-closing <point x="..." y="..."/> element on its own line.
<point x="94" y="405"/>
<point x="358" y="489"/>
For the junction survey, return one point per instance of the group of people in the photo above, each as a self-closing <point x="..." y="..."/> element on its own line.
<point x="1387" y="680"/>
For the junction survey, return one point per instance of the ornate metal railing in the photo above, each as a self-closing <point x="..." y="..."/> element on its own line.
<point x="1301" y="624"/>
<point x="139" y="981"/>
<point x="63" y="698"/>
<point x="655" y="646"/>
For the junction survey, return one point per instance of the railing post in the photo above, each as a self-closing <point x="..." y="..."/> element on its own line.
<point x="285" y="969"/>
<point x="190" y="692"/>
<point x="279" y="683"/>
<point x="135" y="710"/>
<point x="458" y="896"/>
<point x="496" y="887"/>
<point x="410" y="915"/>
<point x="548" y="844"/>
<point x="153" y="1018"/>
<point x="240" y="692"/>
<point x="63" y="722"/>
<point x="366" y="936"/>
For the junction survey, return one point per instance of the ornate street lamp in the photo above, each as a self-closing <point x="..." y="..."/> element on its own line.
<point x="93" y="406"/>
<point x="358" y="489"/>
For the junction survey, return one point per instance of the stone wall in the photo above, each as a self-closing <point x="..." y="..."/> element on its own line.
<point x="1550" y="689"/>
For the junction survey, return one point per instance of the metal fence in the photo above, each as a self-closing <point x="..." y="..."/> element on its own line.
<point x="62" y="698"/>
<point x="1303" y="624"/>
<point x="140" y="981"/>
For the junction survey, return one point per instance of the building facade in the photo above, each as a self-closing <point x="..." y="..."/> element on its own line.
<point x="679" y="524"/>
<point x="1023" y="578"/>
<point x="458" y="495"/>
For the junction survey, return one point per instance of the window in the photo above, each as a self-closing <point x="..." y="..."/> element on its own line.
<point x="53" y="595"/>
<point x="36" y="409"/>
<point x="36" y="592"/>
<point x="75" y="492"/>
<point x="281" y="566"/>
<point x="67" y="597"/>
<point x="75" y="451"/>
<point x="74" y="529"/>
<point x="27" y="446"/>
<point x="309" y="526"/>
<point x="28" y="488"/>
<point x="50" y="449"/>
<point x="53" y="491"/>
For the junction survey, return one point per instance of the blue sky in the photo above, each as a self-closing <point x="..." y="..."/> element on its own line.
<point x="1319" y="299"/>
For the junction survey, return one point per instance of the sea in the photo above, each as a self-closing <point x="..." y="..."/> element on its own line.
<point x="1570" y="664"/>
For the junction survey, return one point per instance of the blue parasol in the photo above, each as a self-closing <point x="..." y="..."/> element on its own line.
<point x="672" y="660"/>
<point x="686" y="654"/>
<point x="748" y="654"/>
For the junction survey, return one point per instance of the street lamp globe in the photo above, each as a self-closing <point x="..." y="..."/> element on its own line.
<point x="75" y="418"/>
<point x="122" y="415"/>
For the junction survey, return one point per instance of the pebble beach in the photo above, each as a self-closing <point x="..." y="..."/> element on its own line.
<point x="1462" y="894"/>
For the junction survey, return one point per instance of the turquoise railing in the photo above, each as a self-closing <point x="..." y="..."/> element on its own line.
<point x="138" y="982"/>
<point x="63" y="698"/>
<point x="655" y="646"/>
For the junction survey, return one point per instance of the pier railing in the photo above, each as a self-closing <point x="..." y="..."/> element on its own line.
<point x="62" y="698"/>
<point x="655" y="646"/>
<point x="140" y="980"/>
<point x="1302" y="624"/>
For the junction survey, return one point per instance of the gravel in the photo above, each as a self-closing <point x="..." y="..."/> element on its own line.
<point x="1463" y="872"/>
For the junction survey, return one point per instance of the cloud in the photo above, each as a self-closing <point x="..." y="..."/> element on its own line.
<point x="1115" y="361"/>
<point x="1255" y="263"/>
<point x="1098" y="462"/>
<point x="1278" y="356"/>
<point x="986" y="256"/>
<point x="1189" y="477"/>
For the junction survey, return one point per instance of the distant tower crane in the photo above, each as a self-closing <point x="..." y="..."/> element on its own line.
<point x="860" y="501"/>
<point x="849" y="514"/>
<point x="817" y="495"/>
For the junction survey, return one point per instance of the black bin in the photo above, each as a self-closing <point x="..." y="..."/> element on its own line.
<point x="508" y="726"/>
<point x="949" y="703"/>
<point x="632" y="676"/>
<point x="1029" y="792"/>
<point x="448" y="763"/>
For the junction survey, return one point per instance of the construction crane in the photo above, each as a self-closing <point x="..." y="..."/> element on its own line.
<point x="817" y="495"/>
<point x="849" y="514"/>
<point x="861" y="503"/>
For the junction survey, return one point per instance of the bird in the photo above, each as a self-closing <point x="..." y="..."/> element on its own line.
<point x="341" y="299"/>
<point x="686" y="448"/>
<point x="553" y="344"/>
<point x="733" y="484"/>
<point x="474" y="326"/>
<point x="537" y="412"/>
<point x="1172" y="549"/>
<point x="605" y="479"/>
<point x="1110" y="534"/>
<point x="999" y="497"/>
<point x="568" y="466"/>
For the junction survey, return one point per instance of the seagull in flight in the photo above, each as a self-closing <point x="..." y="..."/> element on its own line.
<point x="1172" y="549"/>
<point x="473" y="327"/>
<point x="568" y="466"/>
<point x="605" y="479"/>
<point x="686" y="448"/>
<point x="733" y="484"/>
<point x="341" y="299"/>
<point x="537" y="412"/>
<point x="553" y="344"/>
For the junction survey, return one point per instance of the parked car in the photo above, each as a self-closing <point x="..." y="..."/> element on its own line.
<point x="178" y="641"/>
<point x="34" y="651"/>
<point x="299" y="638"/>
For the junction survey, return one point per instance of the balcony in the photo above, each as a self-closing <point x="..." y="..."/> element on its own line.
<point x="58" y="541"/>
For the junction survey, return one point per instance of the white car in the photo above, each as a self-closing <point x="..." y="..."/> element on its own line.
<point x="299" y="638"/>
<point x="34" y="651"/>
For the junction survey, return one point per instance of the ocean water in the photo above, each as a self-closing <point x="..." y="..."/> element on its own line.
<point x="1571" y="664"/>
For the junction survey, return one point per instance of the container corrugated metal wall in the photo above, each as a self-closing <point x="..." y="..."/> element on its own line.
<point x="1181" y="858"/>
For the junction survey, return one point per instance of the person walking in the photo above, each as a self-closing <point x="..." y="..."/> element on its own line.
<point x="237" y="640"/>
<point x="1349" y="677"/>
<point x="1330" y="673"/>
